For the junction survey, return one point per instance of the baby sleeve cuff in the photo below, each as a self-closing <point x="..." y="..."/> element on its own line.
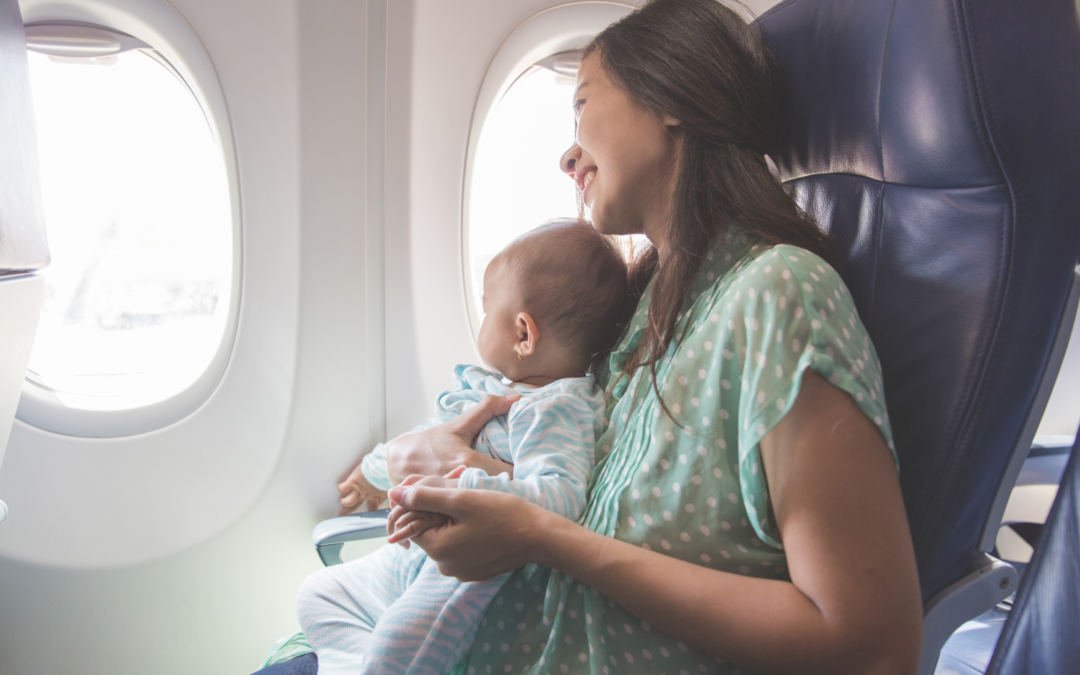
<point x="472" y="479"/>
<point x="373" y="466"/>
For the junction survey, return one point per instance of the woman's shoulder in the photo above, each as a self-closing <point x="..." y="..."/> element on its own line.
<point x="771" y="279"/>
<point x="785" y="307"/>
<point x="782" y="266"/>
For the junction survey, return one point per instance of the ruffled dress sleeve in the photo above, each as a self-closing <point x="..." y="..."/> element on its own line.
<point x="791" y="312"/>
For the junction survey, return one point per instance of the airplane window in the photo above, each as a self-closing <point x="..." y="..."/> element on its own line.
<point x="139" y="221"/>
<point x="516" y="182"/>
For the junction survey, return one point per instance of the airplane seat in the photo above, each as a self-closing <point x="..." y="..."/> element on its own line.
<point x="1039" y="635"/>
<point x="1034" y="632"/>
<point x="935" y="141"/>
<point x="23" y="247"/>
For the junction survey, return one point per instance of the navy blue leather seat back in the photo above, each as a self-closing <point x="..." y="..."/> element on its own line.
<point x="938" y="141"/>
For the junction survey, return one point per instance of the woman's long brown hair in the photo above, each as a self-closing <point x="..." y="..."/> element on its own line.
<point x="699" y="62"/>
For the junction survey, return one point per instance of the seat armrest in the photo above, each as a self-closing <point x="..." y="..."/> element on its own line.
<point x="988" y="582"/>
<point x="330" y="536"/>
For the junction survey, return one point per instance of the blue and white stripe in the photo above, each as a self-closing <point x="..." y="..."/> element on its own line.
<point x="393" y="612"/>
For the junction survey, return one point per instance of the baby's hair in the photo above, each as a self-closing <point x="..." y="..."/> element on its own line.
<point x="573" y="280"/>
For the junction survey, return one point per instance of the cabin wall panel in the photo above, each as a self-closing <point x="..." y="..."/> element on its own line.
<point x="215" y="609"/>
<point x="146" y="496"/>
<point x="330" y="423"/>
<point x="294" y="75"/>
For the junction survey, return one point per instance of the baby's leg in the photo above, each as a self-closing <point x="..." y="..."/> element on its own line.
<point x="338" y="607"/>
<point x="431" y="627"/>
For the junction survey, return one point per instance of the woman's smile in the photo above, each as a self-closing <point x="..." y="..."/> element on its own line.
<point x="583" y="183"/>
<point x="636" y="147"/>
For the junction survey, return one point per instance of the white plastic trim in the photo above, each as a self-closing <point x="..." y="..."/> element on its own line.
<point x="988" y="582"/>
<point x="78" y="40"/>
<point x="160" y="26"/>
<point x="559" y="29"/>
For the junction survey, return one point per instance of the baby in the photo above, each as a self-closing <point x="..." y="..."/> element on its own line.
<point x="555" y="301"/>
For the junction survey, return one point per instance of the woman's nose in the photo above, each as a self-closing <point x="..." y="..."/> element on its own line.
<point x="570" y="159"/>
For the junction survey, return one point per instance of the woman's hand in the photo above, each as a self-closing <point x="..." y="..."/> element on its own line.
<point x="403" y="524"/>
<point x="438" y="450"/>
<point x="434" y="452"/>
<point x="486" y="533"/>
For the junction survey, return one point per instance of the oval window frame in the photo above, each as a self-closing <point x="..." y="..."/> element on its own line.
<point x="175" y="42"/>
<point x="559" y="29"/>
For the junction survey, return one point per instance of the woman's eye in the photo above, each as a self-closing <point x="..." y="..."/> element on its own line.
<point x="577" y="106"/>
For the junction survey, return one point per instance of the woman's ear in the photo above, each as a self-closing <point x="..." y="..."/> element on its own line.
<point x="528" y="335"/>
<point x="669" y="122"/>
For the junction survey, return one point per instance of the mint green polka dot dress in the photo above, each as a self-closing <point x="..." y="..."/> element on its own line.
<point x="692" y="487"/>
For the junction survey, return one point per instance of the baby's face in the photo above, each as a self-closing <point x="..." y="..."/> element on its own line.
<point x="498" y="333"/>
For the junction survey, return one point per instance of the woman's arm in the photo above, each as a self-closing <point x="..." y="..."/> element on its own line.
<point x="852" y="606"/>
<point x="435" y="452"/>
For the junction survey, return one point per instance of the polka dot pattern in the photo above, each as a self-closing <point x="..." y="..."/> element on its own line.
<point x="689" y="484"/>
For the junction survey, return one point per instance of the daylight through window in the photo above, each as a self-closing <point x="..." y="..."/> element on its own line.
<point x="140" y="229"/>
<point x="516" y="181"/>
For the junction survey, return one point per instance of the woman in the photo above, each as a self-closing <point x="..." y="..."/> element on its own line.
<point x="745" y="513"/>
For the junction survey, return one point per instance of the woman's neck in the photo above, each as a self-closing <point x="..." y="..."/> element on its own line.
<point x="656" y="225"/>
<point x="657" y="235"/>
<point x="656" y="214"/>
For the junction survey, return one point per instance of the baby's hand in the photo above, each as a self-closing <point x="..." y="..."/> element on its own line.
<point x="404" y="524"/>
<point x="355" y="490"/>
<point x="412" y="523"/>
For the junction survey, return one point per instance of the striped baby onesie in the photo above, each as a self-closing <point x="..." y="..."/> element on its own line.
<point x="392" y="611"/>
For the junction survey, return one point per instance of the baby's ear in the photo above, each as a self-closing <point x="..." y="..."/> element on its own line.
<point x="528" y="334"/>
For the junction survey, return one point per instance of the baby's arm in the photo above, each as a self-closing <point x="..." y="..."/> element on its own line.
<point x="373" y="468"/>
<point x="552" y="444"/>
<point x="370" y="480"/>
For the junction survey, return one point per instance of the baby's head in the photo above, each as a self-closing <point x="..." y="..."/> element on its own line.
<point x="554" y="299"/>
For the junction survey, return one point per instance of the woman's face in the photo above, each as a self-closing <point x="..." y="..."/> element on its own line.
<point x="624" y="159"/>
